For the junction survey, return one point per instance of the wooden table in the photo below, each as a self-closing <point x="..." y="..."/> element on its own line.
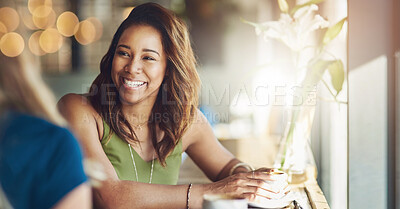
<point x="315" y="195"/>
<point x="309" y="195"/>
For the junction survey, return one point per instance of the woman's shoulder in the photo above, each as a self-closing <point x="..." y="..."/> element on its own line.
<point x="197" y="129"/>
<point x="77" y="104"/>
<point x="79" y="111"/>
<point x="75" y="100"/>
<point x="199" y="120"/>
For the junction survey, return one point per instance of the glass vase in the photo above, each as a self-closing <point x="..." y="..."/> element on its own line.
<point x="295" y="156"/>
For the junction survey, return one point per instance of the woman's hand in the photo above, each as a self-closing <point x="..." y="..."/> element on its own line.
<point x="278" y="185"/>
<point x="262" y="183"/>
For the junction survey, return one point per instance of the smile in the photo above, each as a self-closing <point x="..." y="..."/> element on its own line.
<point x="133" y="84"/>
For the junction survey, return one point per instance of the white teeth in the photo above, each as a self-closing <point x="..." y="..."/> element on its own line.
<point x="133" y="83"/>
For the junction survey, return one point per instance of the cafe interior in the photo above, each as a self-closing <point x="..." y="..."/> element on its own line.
<point x="309" y="87"/>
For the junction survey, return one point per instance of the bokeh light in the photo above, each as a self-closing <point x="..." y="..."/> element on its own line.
<point x="9" y="17"/>
<point x="3" y="29"/>
<point x="42" y="11"/>
<point x="98" y="27"/>
<point x="66" y="23"/>
<point x="39" y="14"/>
<point x="34" y="4"/>
<point x="27" y="19"/>
<point x="12" y="44"/>
<point x="34" y="45"/>
<point x="85" y="32"/>
<point x="44" y="17"/>
<point x="50" y="40"/>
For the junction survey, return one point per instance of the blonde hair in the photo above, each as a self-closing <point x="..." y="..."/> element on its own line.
<point x="22" y="89"/>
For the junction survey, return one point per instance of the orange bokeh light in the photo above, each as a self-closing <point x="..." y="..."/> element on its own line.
<point x="34" y="45"/>
<point x="27" y="19"/>
<point x="41" y="20"/>
<point x="98" y="27"/>
<point x="66" y="23"/>
<point x="50" y="40"/>
<point x="9" y="17"/>
<point x="42" y="11"/>
<point x="85" y="32"/>
<point x="12" y="44"/>
<point x="34" y="4"/>
<point x="3" y="28"/>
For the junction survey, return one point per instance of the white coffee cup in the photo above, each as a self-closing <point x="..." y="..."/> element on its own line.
<point x="214" y="201"/>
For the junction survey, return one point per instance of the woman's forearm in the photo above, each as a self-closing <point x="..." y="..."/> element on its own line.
<point x="130" y="194"/>
<point x="227" y="170"/>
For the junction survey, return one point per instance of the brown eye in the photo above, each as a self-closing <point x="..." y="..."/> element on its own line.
<point x="122" y="53"/>
<point x="149" y="58"/>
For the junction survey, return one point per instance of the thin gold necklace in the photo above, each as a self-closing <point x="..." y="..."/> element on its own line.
<point x="134" y="165"/>
<point x="140" y="125"/>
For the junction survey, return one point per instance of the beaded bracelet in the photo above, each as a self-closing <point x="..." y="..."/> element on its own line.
<point x="188" y="195"/>
<point x="245" y="165"/>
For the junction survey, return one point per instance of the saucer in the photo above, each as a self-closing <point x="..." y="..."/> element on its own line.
<point x="274" y="203"/>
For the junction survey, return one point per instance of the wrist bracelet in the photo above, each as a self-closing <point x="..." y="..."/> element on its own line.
<point x="244" y="165"/>
<point x="188" y="195"/>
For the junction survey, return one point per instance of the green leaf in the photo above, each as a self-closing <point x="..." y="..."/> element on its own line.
<point x="336" y="70"/>
<point x="333" y="31"/>
<point x="283" y="6"/>
<point x="297" y="7"/>
<point x="316" y="71"/>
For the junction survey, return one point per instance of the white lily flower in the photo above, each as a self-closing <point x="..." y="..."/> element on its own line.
<point x="293" y="31"/>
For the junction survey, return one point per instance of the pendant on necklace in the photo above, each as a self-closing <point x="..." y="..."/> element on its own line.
<point x="139" y="127"/>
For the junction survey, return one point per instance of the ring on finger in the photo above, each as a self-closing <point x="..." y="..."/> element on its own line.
<point x="252" y="174"/>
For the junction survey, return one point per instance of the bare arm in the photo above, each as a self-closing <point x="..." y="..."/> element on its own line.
<point x="205" y="150"/>
<point x="217" y="163"/>
<point x="115" y="193"/>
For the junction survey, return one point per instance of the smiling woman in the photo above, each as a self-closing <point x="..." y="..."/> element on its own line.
<point x="139" y="65"/>
<point x="141" y="114"/>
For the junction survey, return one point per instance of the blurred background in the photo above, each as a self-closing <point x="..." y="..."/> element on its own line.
<point x="245" y="80"/>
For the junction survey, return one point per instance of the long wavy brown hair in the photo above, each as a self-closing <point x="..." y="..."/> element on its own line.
<point x="177" y="98"/>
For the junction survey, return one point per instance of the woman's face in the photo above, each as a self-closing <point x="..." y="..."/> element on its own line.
<point x="139" y="65"/>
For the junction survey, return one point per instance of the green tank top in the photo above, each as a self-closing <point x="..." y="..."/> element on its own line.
<point x="117" y="151"/>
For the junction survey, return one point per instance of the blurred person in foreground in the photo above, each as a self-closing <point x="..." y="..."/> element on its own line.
<point x="140" y="115"/>
<point x="40" y="161"/>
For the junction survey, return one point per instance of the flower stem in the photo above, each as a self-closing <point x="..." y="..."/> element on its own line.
<point x="329" y="89"/>
<point x="289" y="136"/>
